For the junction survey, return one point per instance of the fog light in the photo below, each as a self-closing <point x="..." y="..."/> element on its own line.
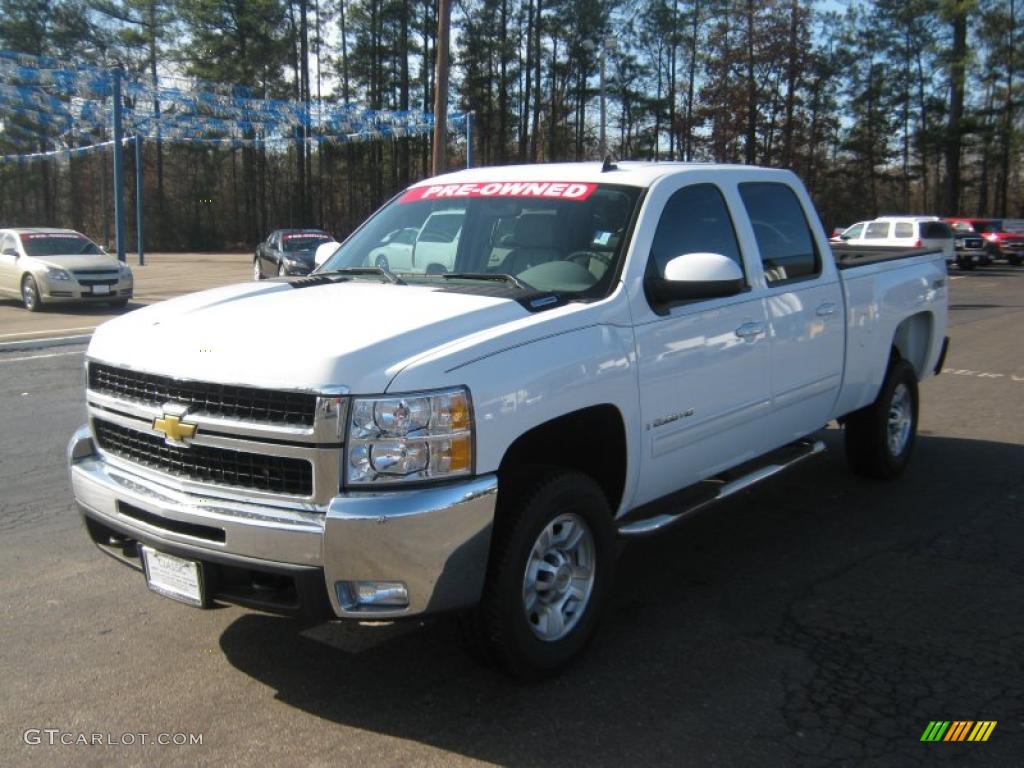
<point x="368" y="595"/>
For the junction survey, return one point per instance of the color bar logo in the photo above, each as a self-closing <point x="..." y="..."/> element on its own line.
<point x="958" y="730"/>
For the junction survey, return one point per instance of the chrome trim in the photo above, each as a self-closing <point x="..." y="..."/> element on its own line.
<point x="326" y="469"/>
<point x="330" y="412"/>
<point x="436" y="540"/>
<point x="251" y="531"/>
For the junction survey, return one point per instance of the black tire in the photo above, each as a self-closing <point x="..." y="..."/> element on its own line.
<point x="381" y="262"/>
<point x="1014" y="259"/>
<point x="281" y="270"/>
<point x="876" y="445"/>
<point x="500" y="627"/>
<point x="119" y="304"/>
<point x="30" y="294"/>
<point x="965" y="265"/>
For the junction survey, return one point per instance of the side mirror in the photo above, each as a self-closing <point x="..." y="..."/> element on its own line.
<point x="10" y="252"/>
<point x="695" y="276"/>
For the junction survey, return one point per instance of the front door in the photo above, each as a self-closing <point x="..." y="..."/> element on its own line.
<point x="703" y="366"/>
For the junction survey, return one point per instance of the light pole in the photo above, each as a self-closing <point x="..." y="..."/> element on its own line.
<point x="607" y="46"/>
<point x="444" y="18"/>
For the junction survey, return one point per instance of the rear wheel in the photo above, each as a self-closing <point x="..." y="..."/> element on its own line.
<point x="552" y="562"/>
<point x="281" y="271"/>
<point x="1014" y="259"/>
<point x="30" y="294"/>
<point x="381" y="262"/>
<point x="965" y="264"/>
<point x="880" y="438"/>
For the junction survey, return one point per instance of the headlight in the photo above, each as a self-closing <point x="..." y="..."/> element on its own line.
<point x="56" y="273"/>
<point x="296" y="264"/>
<point x="124" y="272"/>
<point x="409" y="438"/>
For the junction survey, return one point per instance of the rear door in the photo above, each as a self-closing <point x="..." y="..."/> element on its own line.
<point x="804" y="309"/>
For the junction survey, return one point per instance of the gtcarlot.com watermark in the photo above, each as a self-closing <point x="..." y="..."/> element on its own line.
<point x="55" y="737"/>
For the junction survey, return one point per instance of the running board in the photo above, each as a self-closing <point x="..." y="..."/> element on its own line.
<point x="797" y="452"/>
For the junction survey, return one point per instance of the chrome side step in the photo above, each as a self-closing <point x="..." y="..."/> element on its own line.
<point x="799" y="451"/>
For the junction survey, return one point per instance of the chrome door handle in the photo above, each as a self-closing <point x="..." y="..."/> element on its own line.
<point x="750" y="330"/>
<point x="828" y="308"/>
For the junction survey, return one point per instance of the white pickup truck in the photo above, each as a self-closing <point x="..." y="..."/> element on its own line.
<point x="615" y="347"/>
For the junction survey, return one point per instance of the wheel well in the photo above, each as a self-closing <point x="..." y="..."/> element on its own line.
<point x="913" y="340"/>
<point x="591" y="441"/>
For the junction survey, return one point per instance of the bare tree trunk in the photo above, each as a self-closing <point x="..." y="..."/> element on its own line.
<point x="954" y="131"/>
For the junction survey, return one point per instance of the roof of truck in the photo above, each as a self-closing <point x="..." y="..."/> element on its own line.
<point x="637" y="173"/>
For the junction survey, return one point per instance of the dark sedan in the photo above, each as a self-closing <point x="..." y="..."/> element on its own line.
<point x="288" y="252"/>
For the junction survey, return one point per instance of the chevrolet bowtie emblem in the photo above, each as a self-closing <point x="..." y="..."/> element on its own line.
<point x="173" y="428"/>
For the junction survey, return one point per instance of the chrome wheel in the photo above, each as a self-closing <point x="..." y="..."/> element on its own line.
<point x="281" y="270"/>
<point x="29" y="294"/>
<point x="559" y="577"/>
<point x="257" y="273"/>
<point x="900" y="420"/>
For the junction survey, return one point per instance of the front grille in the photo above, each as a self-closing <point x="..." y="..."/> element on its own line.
<point x="98" y="282"/>
<point x="973" y="243"/>
<point x="94" y="273"/>
<point x="231" y="402"/>
<point x="275" y="474"/>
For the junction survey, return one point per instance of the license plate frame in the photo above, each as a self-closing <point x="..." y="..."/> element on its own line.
<point x="175" y="577"/>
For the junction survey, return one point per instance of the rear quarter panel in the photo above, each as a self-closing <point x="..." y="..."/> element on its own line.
<point x="903" y="302"/>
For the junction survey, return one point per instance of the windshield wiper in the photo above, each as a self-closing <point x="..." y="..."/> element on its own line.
<point x="387" y="274"/>
<point x="502" y="277"/>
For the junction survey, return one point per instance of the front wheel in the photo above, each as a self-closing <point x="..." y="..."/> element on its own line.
<point x="30" y="294"/>
<point x="551" y="569"/>
<point x="257" y="270"/>
<point x="880" y="437"/>
<point x="1014" y="259"/>
<point x="965" y="264"/>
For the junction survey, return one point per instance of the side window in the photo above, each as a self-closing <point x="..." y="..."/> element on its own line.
<point x="784" y="238"/>
<point x="877" y="230"/>
<point x="904" y="229"/>
<point x="695" y="220"/>
<point x="854" y="232"/>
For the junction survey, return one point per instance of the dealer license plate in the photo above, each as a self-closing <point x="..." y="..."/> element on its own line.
<point x="97" y="289"/>
<point x="173" y="577"/>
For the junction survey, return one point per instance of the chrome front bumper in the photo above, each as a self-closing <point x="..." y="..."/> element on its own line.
<point x="433" y="540"/>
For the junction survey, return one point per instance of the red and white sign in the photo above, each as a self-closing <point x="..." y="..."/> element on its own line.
<point x="294" y="235"/>
<point x="551" y="190"/>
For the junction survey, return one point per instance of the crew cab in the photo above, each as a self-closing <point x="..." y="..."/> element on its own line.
<point x="655" y="337"/>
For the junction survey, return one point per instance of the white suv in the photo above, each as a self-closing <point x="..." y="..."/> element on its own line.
<point x="908" y="231"/>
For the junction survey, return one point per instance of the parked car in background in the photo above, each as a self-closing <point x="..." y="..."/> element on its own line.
<point x="1004" y="238"/>
<point x="969" y="247"/>
<point x="288" y="252"/>
<point x="50" y="266"/>
<point x="430" y="248"/>
<point x="849" y="233"/>
<point x="906" y="231"/>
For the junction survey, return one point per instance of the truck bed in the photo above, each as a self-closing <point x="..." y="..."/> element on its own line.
<point x="847" y="256"/>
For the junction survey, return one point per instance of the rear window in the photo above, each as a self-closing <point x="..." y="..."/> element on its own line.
<point x="935" y="230"/>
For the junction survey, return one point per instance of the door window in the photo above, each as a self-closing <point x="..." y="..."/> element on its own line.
<point x="877" y="230"/>
<point x="695" y="220"/>
<point x="904" y="229"/>
<point x="784" y="238"/>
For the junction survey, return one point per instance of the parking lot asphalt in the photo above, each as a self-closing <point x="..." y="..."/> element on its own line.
<point x="816" y="620"/>
<point x="164" y="276"/>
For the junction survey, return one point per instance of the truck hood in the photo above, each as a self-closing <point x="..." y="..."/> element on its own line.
<point x="356" y="334"/>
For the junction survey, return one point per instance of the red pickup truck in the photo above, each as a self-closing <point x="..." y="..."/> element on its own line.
<point x="1003" y="238"/>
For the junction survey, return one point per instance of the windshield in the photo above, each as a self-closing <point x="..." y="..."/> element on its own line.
<point x="59" y="244"/>
<point x="565" y="237"/>
<point x="303" y="241"/>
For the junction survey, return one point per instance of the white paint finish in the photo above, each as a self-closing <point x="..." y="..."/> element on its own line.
<point x="695" y="396"/>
